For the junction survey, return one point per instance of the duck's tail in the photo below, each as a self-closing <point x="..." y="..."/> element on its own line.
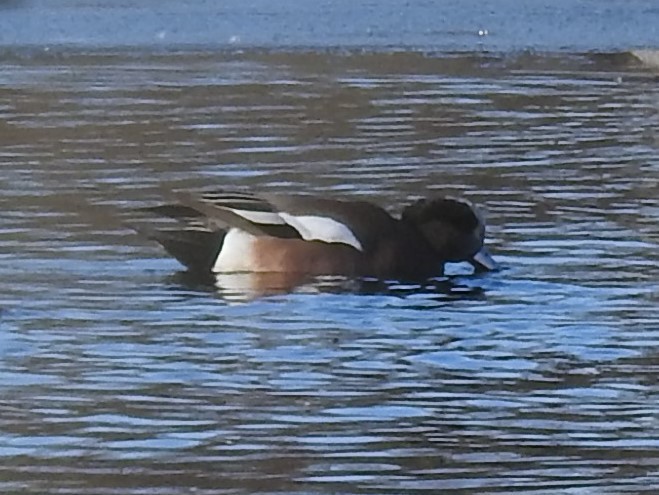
<point x="196" y="249"/>
<point x="191" y="239"/>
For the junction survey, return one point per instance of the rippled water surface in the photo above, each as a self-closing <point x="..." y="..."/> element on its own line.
<point x="119" y="375"/>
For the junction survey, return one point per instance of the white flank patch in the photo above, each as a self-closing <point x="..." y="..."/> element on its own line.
<point x="262" y="217"/>
<point x="315" y="228"/>
<point x="236" y="253"/>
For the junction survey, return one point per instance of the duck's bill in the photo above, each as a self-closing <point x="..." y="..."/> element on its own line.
<point x="482" y="261"/>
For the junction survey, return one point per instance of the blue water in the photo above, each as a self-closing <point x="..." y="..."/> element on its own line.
<point x="443" y="25"/>
<point x="121" y="374"/>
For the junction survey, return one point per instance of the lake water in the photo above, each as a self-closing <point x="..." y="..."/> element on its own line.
<point x="121" y="375"/>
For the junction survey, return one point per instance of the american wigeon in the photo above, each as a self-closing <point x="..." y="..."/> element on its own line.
<point x="229" y="232"/>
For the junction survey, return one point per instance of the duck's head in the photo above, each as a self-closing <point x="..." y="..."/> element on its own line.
<point x="454" y="228"/>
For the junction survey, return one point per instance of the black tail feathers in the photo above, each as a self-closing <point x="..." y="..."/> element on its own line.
<point x="197" y="250"/>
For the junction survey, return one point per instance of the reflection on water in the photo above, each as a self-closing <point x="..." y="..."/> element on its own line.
<point x="251" y="286"/>
<point x="119" y="374"/>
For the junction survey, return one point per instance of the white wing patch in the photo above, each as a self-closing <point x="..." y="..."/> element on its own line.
<point x="316" y="228"/>
<point x="261" y="217"/>
<point x="237" y="243"/>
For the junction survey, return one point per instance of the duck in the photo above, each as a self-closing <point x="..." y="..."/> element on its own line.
<point x="234" y="231"/>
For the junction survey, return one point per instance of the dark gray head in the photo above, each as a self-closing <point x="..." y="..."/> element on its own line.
<point x="454" y="228"/>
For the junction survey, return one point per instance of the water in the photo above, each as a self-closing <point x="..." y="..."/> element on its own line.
<point x="119" y="374"/>
<point x="489" y="25"/>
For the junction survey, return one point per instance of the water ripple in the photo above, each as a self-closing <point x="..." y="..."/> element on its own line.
<point x="120" y="375"/>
